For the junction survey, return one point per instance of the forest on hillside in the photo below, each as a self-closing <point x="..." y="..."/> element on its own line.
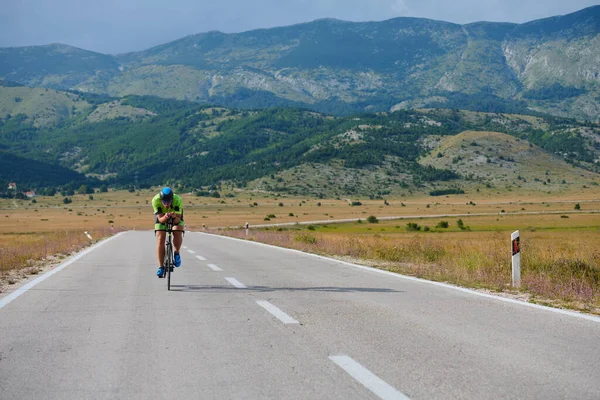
<point x="204" y="145"/>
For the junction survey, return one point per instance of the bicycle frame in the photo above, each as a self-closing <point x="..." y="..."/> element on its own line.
<point x="169" y="262"/>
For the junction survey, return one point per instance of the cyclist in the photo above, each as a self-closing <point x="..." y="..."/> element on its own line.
<point x="167" y="204"/>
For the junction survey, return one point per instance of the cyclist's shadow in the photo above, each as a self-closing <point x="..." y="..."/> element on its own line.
<point x="219" y="288"/>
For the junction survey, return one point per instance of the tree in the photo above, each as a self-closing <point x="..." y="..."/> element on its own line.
<point x="85" y="189"/>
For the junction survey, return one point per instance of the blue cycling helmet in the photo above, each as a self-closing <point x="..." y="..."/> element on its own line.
<point x="166" y="195"/>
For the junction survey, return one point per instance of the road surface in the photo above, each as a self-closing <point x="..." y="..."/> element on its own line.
<point x="250" y="321"/>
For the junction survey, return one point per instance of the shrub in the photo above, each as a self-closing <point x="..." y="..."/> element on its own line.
<point x="372" y="219"/>
<point x="413" y="226"/>
<point x="461" y="225"/>
<point x="306" y="238"/>
<point x="442" y="225"/>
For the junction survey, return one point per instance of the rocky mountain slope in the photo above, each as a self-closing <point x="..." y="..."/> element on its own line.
<point x="548" y="65"/>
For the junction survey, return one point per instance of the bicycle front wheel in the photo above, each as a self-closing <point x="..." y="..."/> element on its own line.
<point x="169" y="264"/>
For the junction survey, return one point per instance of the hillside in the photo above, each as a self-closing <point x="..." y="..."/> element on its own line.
<point x="505" y="162"/>
<point x="43" y="107"/>
<point x="32" y="174"/>
<point x="148" y="141"/>
<point x="56" y="66"/>
<point x="339" y="67"/>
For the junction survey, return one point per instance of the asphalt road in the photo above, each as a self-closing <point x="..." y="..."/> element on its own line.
<point x="248" y="321"/>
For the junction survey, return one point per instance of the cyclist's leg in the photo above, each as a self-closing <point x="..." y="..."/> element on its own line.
<point x="178" y="241"/>
<point x="177" y="238"/>
<point x="160" y="246"/>
<point x="178" y="231"/>
<point x="161" y="234"/>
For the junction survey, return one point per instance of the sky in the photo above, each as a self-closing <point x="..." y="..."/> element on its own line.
<point x="120" y="26"/>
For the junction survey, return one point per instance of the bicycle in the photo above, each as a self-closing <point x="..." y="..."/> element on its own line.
<point x="169" y="262"/>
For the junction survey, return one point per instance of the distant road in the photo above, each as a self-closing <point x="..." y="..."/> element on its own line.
<point x="421" y="216"/>
<point x="250" y="321"/>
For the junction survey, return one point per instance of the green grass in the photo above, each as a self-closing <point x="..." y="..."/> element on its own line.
<point x="44" y="107"/>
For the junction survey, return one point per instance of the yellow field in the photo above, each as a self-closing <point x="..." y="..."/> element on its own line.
<point x="132" y="210"/>
<point x="561" y="251"/>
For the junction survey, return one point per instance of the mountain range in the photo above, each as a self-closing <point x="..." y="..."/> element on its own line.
<point x="547" y="66"/>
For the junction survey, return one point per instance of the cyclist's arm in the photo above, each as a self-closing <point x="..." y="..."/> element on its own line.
<point x="177" y="214"/>
<point x="163" y="218"/>
<point x="176" y="217"/>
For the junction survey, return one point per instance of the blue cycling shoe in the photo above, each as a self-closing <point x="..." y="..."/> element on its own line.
<point x="161" y="272"/>
<point x="177" y="260"/>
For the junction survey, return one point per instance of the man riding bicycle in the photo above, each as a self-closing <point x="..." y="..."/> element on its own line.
<point x="166" y="205"/>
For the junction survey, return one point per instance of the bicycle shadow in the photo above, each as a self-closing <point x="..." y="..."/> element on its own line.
<point x="332" y="289"/>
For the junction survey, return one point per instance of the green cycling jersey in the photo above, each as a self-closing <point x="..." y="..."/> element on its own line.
<point x="175" y="207"/>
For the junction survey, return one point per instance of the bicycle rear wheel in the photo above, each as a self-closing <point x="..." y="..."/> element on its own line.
<point x="169" y="263"/>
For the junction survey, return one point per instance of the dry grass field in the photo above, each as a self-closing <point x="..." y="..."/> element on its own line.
<point x="560" y="234"/>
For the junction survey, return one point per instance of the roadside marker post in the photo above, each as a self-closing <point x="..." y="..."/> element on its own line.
<point x="516" y="258"/>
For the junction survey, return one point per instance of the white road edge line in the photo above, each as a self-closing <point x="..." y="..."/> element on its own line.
<point x="367" y="378"/>
<point x="412" y="278"/>
<point x="276" y="312"/>
<point x="214" y="267"/>
<point x="201" y="258"/>
<point x="4" y="301"/>
<point x="236" y="283"/>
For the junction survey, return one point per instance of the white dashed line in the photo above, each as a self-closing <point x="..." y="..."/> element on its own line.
<point x="277" y="313"/>
<point x="201" y="258"/>
<point x="439" y="284"/>
<point x="367" y="378"/>
<point x="214" y="267"/>
<point x="236" y="283"/>
<point x="191" y="251"/>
